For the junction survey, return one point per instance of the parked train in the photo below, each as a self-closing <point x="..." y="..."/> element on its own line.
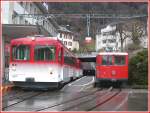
<point x="42" y="62"/>
<point x="111" y="67"/>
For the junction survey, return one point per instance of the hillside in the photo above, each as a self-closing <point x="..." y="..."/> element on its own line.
<point x="79" y="25"/>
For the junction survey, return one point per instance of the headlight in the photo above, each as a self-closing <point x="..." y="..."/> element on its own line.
<point x="50" y="71"/>
<point x="113" y="72"/>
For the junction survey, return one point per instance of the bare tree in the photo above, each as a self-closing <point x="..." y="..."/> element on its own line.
<point x="120" y="28"/>
<point x="132" y="29"/>
<point x="137" y="31"/>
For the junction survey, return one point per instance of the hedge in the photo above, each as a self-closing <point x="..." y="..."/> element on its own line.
<point x="138" y="68"/>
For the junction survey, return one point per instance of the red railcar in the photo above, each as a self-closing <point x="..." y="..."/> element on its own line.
<point x="112" y="67"/>
<point x="41" y="62"/>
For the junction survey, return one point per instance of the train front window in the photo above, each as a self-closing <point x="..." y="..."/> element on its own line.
<point x="21" y="52"/>
<point x="44" y="53"/>
<point x="119" y="60"/>
<point x="106" y="60"/>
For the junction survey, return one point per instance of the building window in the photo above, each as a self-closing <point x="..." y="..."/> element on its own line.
<point x="104" y="41"/>
<point x="31" y="7"/>
<point x="65" y="36"/>
<point x="28" y="7"/>
<point x="43" y="23"/>
<point x="69" y="37"/>
<point x="60" y="35"/>
<point x="34" y="10"/>
<point x="21" y="20"/>
<point x="112" y="40"/>
<point x="65" y="42"/>
<point x="26" y="22"/>
<point x="14" y="15"/>
<point x="70" y="43"/>
<point x="25" y="5"/>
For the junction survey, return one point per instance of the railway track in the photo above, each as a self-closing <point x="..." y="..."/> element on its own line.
<point x="23" y="96"/>
<point x="73" y="105"/>
<point x="10" y="93"/>
<point x="14" y="94"/>
<point x="105" y="98"/>
<point x="70" y="100"/>
<point x="85" y="101"/>
<point x="19" y="98"/>
<point x="80" y="102"/>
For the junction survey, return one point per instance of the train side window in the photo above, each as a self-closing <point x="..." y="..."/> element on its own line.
<point x="44" y="53"/>
<point x="69" y="59"/>
<point x="119" y="60"/>
<point x="21" y="52"/>
<point x="60" y="55"/>
<point x="106" y="60"/>
<point x="65" y="57"/>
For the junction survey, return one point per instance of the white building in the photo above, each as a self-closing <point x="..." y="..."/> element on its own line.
<point x="76" y="45"/>
<point x="67" y="38"/>
<point x="109" y="40"/>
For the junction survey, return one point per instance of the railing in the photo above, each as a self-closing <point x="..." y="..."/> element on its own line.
<point x="90" y="54"/>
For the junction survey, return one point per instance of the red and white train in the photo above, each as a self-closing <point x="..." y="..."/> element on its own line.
<point x="112" y="67"/>
<point x="41" y="62"/>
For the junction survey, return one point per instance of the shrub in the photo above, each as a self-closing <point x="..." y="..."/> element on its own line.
<point x="138" y="68"/>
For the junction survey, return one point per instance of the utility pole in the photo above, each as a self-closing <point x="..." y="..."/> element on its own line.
<point x="88" y="24"/>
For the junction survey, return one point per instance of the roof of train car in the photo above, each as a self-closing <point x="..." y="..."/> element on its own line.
<point x="29" y="40"/>
<point x="113" y="53"/>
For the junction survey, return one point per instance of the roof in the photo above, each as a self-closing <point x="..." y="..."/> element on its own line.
<point x="30" y="39"/>
<point x="18" y="30"/>
<point x="113" y="53"/>
<point x="64" y="29"/>
<point x="39" y="40"/>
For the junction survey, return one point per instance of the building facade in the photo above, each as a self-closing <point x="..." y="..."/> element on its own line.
<point x="67" y="38"/>
<point x="109" y="40"/>
<point x="12" y="10"/>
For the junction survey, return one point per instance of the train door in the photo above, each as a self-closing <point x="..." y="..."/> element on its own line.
<point x="105" y="66"/>
<point x="60" y="61"/>
<point x="66" y="65"/>
<point x="120" y="68"/>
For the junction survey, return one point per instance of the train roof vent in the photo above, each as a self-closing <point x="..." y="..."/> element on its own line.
<point x="39" y="36"/>
<point x="36" y="36"/>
